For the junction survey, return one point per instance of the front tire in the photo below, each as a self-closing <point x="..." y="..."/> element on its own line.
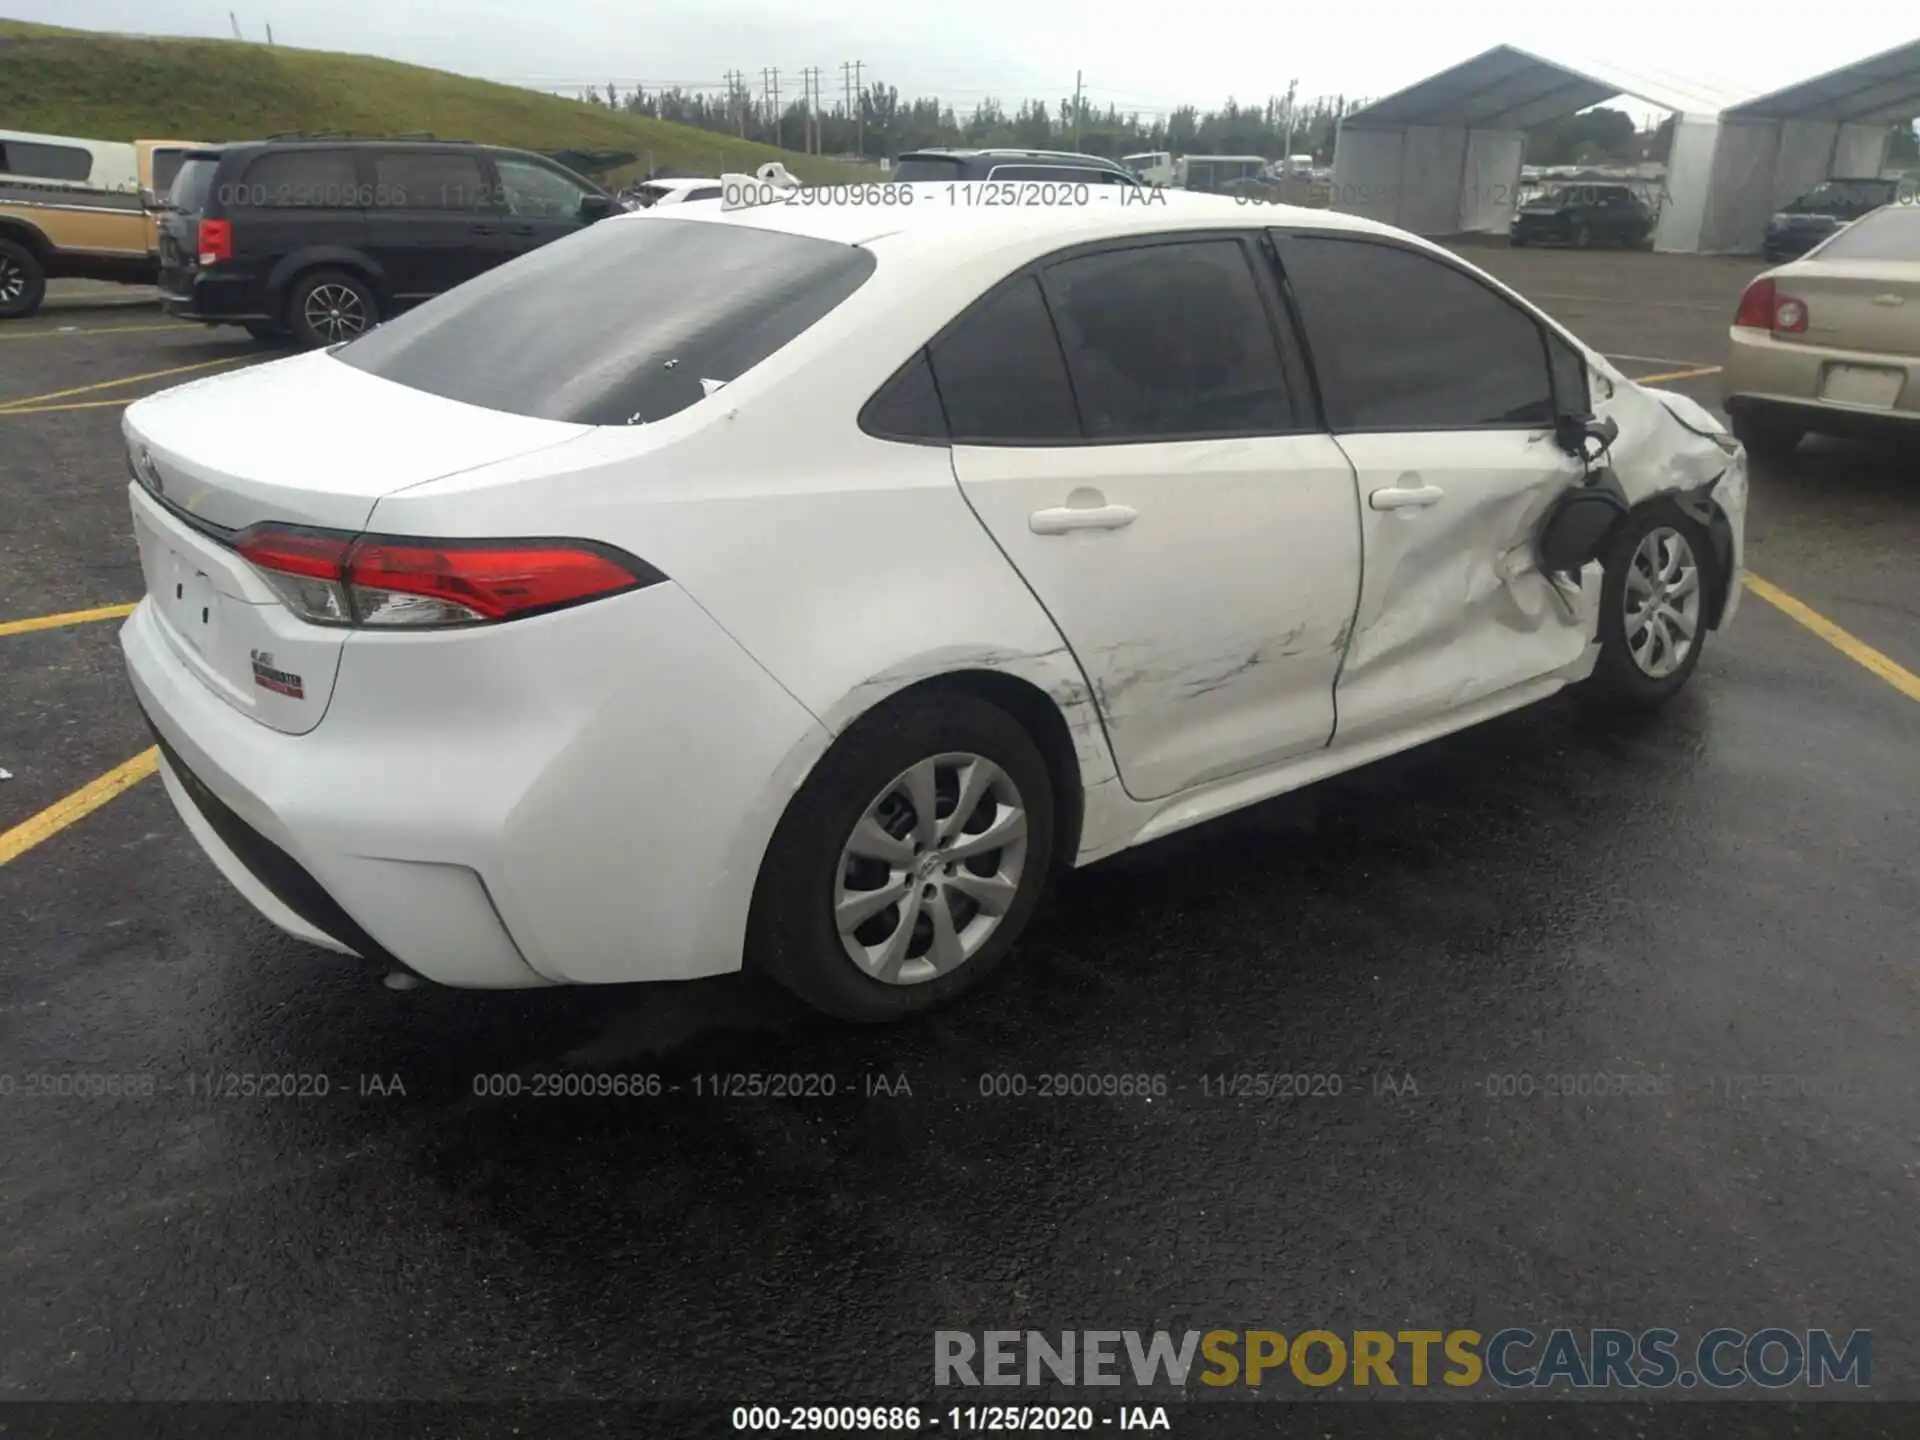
<point x="907" y="866"/>
<point x="1653" y="606"/>
<point x="329" y="306"/>
<point x="23" y="282"/>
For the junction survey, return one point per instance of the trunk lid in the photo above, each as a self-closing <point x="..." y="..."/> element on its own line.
<point x="1865" y="305"/>
<point x="304" y="441"/>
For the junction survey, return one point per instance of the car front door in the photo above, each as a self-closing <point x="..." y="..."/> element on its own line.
<point x="1135" y="430"/>
<point x="542" y="204"/>
<point x="1441" y="391"/>
<point x="430" y="222"/>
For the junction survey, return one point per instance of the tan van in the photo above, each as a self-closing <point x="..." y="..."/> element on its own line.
<point x="79" y="209"/>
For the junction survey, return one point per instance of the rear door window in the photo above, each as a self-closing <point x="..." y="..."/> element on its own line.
<point x="1403" y="341"/>
<point x="621" y="323"/>
<point x="298" y="179"/>
<point x="430" y="180"/>
<point x="1169" y="341"/>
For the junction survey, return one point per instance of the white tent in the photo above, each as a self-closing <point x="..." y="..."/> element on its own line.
<point x="1781" y="145"/>
<point x="1442" y="157"/>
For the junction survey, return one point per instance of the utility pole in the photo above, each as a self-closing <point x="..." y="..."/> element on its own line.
<point x="770" y="79"/>
<point x="1292" y="85"/>
<point x="234" y="21"/>
<point x="856" y="103"/>
<point x="736" y="82"/>
<point x="811" y="76"/>
<point x="1076" y="109"/>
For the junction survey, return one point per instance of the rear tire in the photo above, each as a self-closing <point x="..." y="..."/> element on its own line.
<point x="837" y="843"/>
<point x="1767" y="437"/>
<point x="329" y="306"/>
<point x="23" y="282"/>
<point x="1654" y="603"/>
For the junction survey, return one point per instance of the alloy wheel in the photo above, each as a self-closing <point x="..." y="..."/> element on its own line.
<point x="931" y="869"/>
<point x="13" y="281"/>
<point x="334" y="312"/>
<point x="1662" y="600"/>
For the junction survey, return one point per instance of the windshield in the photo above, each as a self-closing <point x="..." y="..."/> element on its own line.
<point x="190" y="183"/>
<point x="1892" y="233"/>
<point x="1855" y="195"/>
<point x="620" y="324"/>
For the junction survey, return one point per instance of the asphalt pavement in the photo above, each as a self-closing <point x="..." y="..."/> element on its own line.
<point x="1718" y="900"/>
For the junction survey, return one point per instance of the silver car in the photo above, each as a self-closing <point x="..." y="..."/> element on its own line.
<point x="1830" y="343"/>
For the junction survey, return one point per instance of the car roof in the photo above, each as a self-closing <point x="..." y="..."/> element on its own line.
<point x="1003" y="153"/>
<point x="933" y="220"/>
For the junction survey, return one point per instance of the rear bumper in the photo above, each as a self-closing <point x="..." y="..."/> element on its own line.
<point x="212" y="297"/>
<point x="1784" y="380"/>
<point x="575" y="798"/>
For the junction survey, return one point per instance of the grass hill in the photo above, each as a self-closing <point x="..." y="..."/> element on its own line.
<point x="126" y="87"/>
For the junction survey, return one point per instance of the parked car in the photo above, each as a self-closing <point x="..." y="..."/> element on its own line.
<point x="1044" y="165"/>
<point x="1830" y="343"/>
<point x="1810" y="218"/>
<point x="677" y="191"/>
<point x="73" y="209"/>
<point x="1581" y="215"/>
<point x="798" y="586"/>
<point x="322" y="239"/>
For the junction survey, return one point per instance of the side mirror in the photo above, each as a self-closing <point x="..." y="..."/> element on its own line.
<point x="1584" y="436"/>
<point x="597" y="207"/>
<point x="149" y="200"/>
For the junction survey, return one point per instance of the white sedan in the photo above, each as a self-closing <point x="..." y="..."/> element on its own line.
<point x="797" y="586"/>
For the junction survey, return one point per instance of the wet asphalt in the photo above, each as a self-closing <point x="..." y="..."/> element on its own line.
<point x="1719" y="900"/>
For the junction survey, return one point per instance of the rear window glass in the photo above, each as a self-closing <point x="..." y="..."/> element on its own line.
<point x="1889" y="234"/>
<point x="191" y="184"/>
<point x="166" y="165"/>
<point x="927" y="167"/>
<point x="619" y="324"/>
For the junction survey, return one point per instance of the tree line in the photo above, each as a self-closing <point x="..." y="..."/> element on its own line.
<point x="879" y="124"/>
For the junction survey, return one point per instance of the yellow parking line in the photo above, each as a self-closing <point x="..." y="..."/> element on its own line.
<point x="78" y="405"/>
<point x="96" y="330"/>
<point x="77" y="806"/>
<point x="1693" y="374"/>
<point x="7" y="406"/>
<point x="1854" y="648"/>
<point x="66" y="617"/>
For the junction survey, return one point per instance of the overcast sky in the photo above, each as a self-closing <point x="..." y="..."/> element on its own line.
<point x="1149" y="57"/>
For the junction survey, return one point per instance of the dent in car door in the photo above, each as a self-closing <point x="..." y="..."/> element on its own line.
<point x="1440" y="393"/>
<point x="1201" y="561"/>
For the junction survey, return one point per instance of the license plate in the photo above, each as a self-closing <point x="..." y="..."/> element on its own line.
<point x="192" y="604"/>
<point x="1862" y="385"/>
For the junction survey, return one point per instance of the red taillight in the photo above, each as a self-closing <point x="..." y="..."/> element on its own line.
<point x="379" y="580"/>
<point x="1756" y="307"/>
<point x="216" y="241"/>
<point x="1763" y="307"/>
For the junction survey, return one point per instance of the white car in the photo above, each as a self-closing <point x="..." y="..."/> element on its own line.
<point x="796" y="586"/>
<point x="678" y="191"/>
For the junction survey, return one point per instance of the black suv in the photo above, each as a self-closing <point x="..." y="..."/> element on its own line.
<point x="1054" y="165"/>
<point x="1810" y="218"/>
<point x="1583" y="214"/>
<point x="323" y="238"/>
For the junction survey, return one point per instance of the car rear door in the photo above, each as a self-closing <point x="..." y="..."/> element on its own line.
<point x="1440" y="391"/>
<point x="432" y="223"/>
<point x="1130" y="424"/>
